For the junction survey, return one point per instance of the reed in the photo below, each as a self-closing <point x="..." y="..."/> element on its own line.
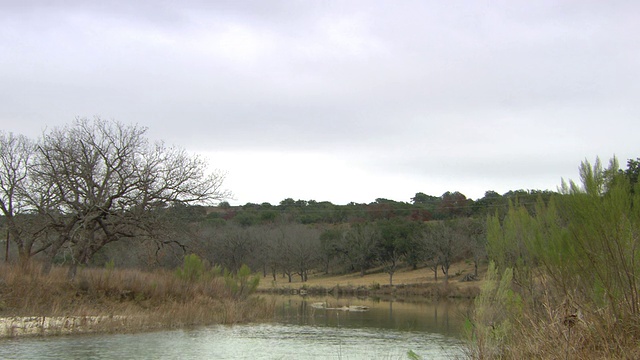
<point x="550" y="326"/>
<point x="133" y="299"/>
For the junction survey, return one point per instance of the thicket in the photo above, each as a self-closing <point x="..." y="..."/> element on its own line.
<point x="570" y="274"/>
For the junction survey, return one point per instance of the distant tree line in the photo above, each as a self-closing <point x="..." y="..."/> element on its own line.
<point x="98" y="191"/>
<point x="294" y="238"/>
<point x="448" y="206"/>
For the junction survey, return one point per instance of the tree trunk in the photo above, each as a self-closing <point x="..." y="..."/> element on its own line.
<point x="445" y="271"/>
<point x="73" y="271"/>
<point x="6" y="256"/>
<point x="53" y="251"/>
<point x="23" y="258"/>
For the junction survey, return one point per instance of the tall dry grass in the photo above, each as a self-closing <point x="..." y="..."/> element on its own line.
<point x="144" y="300"/>
<point x="551" y="325"/>
<point x="573" y="260"/>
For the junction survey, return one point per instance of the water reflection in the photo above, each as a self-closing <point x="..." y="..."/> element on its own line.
<point x="434" y="317"/>
<point x="387" y="331"/>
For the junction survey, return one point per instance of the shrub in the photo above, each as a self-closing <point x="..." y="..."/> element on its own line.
<point x="241" y="285"/>
<point x="193" y="269"/>
<point x="576" y="269"/>
<point x="494" y="312"/>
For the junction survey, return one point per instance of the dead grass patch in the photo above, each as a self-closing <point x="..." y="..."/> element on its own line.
<point x="145" y="300"/>
<point x="407" y="283"/>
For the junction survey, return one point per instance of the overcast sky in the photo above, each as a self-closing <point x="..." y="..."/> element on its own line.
<point x="339" y="100"/>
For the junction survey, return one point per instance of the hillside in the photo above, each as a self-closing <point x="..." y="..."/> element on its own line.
<point x="375" y="282"/>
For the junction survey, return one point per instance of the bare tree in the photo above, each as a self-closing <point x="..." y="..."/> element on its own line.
<point x="24" y="227"/>
<point x="232" y="247"/>
<point x="292" y="249"/>
<point x="360" y="246"/>
<point x="447" y="242"/>
<point x="109" y="183"/>
<point x="303" y="248"/>
<point x="474" y="230"/>
<point x="430" y="246"/>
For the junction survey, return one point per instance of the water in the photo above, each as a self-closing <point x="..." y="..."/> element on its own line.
<point x="386" y="331"/>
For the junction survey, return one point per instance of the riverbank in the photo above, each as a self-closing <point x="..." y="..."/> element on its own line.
<point x="406" y="283"/>
<point x="388" y="330"/>
<point x="112" y="300"/>
<point x="58" y="325"/>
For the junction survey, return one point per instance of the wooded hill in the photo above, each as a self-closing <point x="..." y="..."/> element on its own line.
<point x="98" y="192"/>
<point x="297" y="237"/>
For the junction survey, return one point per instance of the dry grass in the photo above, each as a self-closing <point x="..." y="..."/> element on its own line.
<point x="146" y="300"/>
<point x="406" y="282"/>
<point x="551" y="326"/>
<point x="552" y="336"/>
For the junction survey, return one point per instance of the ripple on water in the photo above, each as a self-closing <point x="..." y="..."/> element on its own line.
<point x="251" y="341"/>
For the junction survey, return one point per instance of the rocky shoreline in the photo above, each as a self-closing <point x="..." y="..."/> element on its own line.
<point x="58" y="325"/>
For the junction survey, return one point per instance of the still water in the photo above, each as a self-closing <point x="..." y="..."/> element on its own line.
<point x="388" y="330"/>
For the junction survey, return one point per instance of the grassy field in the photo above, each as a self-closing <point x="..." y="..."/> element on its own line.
<point x="420" y="281"/>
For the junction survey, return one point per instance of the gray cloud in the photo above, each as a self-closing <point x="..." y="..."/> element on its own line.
<point x="484" y="92"/>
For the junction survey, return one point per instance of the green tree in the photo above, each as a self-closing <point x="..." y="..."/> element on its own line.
<point x="454" y="204"/>
<point x="394" y="243"/>
<point x="577" y="252"/>
<point x="490" y="204"/>
<point x="603" y="224"/>
<point x="632" y="172"/>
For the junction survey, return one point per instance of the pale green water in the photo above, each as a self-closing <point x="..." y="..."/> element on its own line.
<point x="387" y="331"/>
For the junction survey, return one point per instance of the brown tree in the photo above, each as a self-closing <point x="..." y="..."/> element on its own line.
<point x="106" y="183"/>
<point x="24" y="228"/>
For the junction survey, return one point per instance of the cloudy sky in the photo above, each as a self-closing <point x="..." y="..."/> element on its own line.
<point x="339" y="100"/>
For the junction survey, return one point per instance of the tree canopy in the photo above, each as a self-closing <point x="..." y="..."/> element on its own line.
<point x="94" y="182"/>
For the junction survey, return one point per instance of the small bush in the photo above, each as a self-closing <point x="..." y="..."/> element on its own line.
<point x="495" y="309"/>
<point x="193" y="269"/>
<point x="240" y="285"/>
<point x="110" y="265"/>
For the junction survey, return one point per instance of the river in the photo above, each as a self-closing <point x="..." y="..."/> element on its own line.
<point x="299" y="330"/>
